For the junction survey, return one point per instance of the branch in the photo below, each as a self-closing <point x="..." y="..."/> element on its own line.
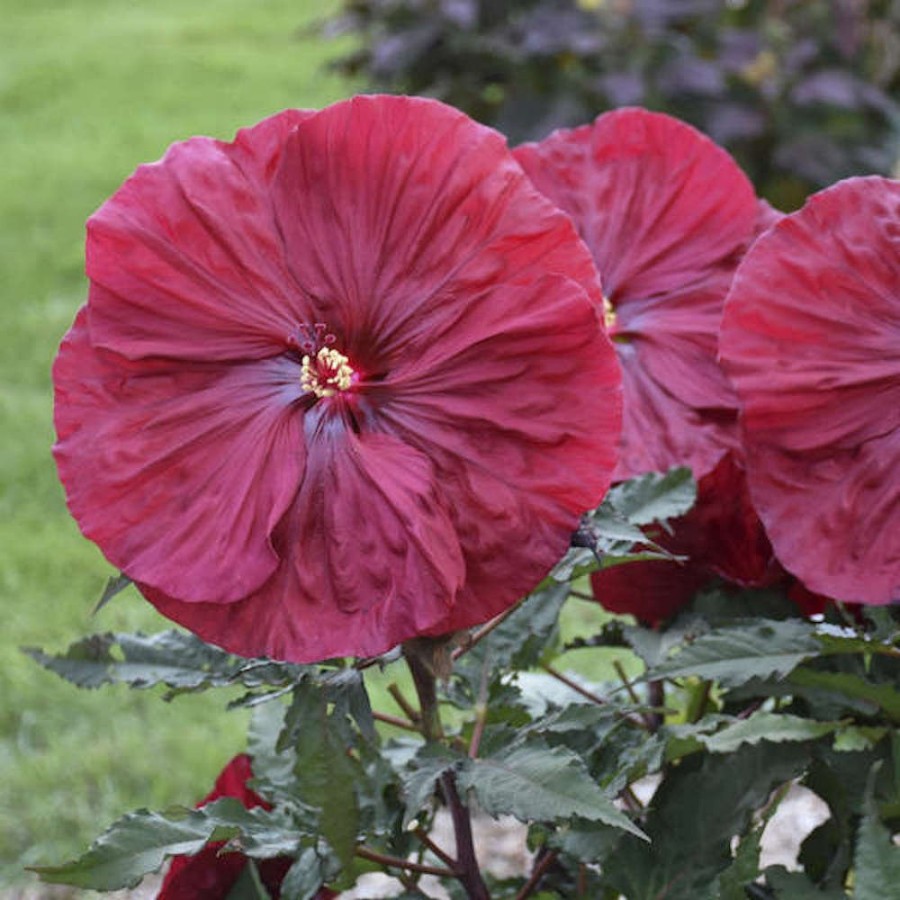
<point x="467" y="870"/>
<point x="484" y="631"/>
<point x="537" y="874"/>
<point x="397" y="862"/>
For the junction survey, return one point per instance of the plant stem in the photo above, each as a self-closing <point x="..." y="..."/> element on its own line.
<point x="426" y="689"/>
<point x="411" y="713"/>
<point x="574" y="685"/>
<point x="481" y="709"/>
<point x="396" y="862"/>
<point x="484" y="631"/>
<point x="395" y="721"/>
<point x="537" y="874"/>
<point x="656" y="696"/>
<point x="467" y="870"/>
<point x="444" y="857"/>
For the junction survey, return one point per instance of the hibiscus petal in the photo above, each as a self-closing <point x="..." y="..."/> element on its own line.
<point x="185" y="259"/>
<point x="666" y="214"/>
<point x="371" y="558"/>
<point x="393" y="206"/>
<point x="811" y="340"/>
<point x="518" y="405"/>
<point x="651" y="591"/>
<point x="179" y="472"/>
<point x="656" y="201"/>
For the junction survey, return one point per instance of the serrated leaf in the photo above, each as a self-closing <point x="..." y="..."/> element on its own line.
<point x="765" y="726"/>
<point x="882" y="695"/>
<point x="698" y="808"/>
<point x="346" y="689"/>
<point x="324" y="774"/>
<point x="305" y="877"/>
<point x="732" y="656"/>
<point x="139" y="843"/>
<point x="114" y="586"/>
<point x="520" y="640"/>
<point x="853" y="738"/>
<point x="541" y="783"/>
<point x="249" y="885"/>
<point x="654" y="645"/>
<point x="176" y="659"/>
<point x="796" y="886"/>
<point x="655" y="496"/>
<point x="877" y="858"/>
<point x="420" y="775"/>
<point x="587" y="842"/>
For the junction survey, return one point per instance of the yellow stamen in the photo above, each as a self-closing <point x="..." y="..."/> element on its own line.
<point x="326" y="373"/>
<point x="609" y="314"/>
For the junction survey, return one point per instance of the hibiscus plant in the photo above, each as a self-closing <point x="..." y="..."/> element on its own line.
<point x="366" y="393"/>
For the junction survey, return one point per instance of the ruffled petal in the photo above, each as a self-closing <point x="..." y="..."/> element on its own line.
<point x="396" y="209"/>
<point x="179" y="472"/>
<point x="666" y="214"/>
<point x="518" y="404"/>
<point x="185" y="259"/>
<point x="651" y="591"/>
<point x="811" y="340"/>
<point x="657" y="202"/>
<point x="371" y="558"/>
<point x="659" y="431"/>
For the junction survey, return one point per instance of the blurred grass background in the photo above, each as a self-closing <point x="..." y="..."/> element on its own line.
<point x="88" y="90"/>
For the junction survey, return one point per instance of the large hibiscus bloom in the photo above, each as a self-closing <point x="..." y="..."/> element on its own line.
<point x="811" y="341"/>
<point x="667" y="215"/>
<point x="338" y="383"/>
<point x="212" y="873"/>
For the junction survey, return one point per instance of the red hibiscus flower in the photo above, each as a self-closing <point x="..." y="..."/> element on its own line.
<point x="811" y="341"/>
<point x="211" y="873"/>
<point x="721" y="536"/>
<point x="667" y="215"/>
<point x="338" y="383"/>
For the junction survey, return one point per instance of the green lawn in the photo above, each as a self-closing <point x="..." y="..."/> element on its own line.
<point x="88" y="90"/>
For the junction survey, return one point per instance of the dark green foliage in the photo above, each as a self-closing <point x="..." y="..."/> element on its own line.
<point x="737" y="702"/>
<point x="802" y="93"/>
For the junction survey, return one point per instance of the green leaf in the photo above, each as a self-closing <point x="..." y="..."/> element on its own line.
<point x="654" y="497"/>
<point x="852" y="738"/>
<point x="521" y="640"/>
<point x="732" y="656"/>
<point x="176" y="659"/>
<point x="114" y="586"/>
<point x="249" y="885"/>
<point x="587" y="842"/>
<point x="796" y="886"/>
<point x="877" y="859"/>
<point x="139" y="843"/>
<point x="882" y="695"/>
<point x="698" y="808"/>
<point x="325" y="774"/>
<point x="273" y="769"/>
<point x="305" y="877"/>
<point x="537" y="782"/>
<point x="420" y="775"/>
<point x="765" y="726"/>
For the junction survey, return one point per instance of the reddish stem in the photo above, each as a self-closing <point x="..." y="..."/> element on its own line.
<point x="397" y="862"/>
<point x="537" y="874"/>
<point x="467" y="870"/>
